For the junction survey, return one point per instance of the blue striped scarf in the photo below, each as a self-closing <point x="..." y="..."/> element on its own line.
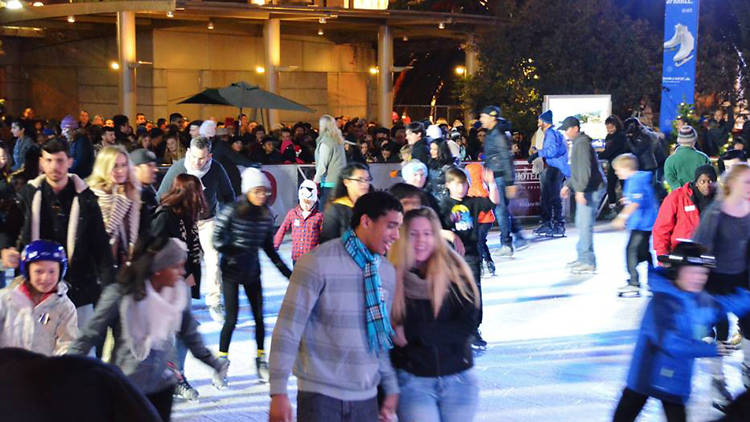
<point x="379" y="329"/>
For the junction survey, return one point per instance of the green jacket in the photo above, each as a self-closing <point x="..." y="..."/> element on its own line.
<point x="680" y="166"/>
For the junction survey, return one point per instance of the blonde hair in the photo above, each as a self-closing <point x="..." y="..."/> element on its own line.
<point x="101" y="176"/>
<point x="627" y="160"/>
<point x="327" y="127"/>
<point x="731" y="175"/>
<point x="444" y="267"/>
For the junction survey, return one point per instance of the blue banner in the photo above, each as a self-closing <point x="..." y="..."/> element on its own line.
<point x="680" y="50"/>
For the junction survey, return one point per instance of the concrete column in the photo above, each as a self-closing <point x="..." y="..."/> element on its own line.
<point x="385" y="75"/>
<point x="272" y="45"/>
<point x="128" y="62"/>
<point x="472" y="66"/>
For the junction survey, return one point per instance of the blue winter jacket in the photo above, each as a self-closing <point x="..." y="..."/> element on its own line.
<point x="669" y="340"/>
<point x="555" y="151"/>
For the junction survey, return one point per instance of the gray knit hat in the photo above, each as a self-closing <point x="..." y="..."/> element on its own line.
<point x="173" y="252"/>
<point x="687" y="135"/>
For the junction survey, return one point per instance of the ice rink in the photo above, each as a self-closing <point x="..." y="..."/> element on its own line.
<point x="558" y="345"/>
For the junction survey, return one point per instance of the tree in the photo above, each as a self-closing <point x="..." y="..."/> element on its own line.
<point x="563" y="47"/>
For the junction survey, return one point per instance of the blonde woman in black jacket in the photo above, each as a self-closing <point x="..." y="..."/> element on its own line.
<point x="435" y="312"/>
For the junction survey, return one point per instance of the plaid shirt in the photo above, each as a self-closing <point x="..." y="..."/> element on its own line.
<point x="305" y="231"/>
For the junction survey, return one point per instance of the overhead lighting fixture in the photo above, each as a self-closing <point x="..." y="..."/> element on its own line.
<point x="322" y="21"/>
<point x="460" y="70"/>
<point x="441" y="25"/>
<point x="71" y="19"/>
<point x="373" y="70"/>
<point x="37" y="4"/>
<point x="170" y="14"/>
<point x="260" y="69"/>
<point x="210" y="25"/>
<point x="320" y="31"/>
<point x="405" y="38"/>
<point x="114" y="65"/>
<point x="258" y="2"/>
<point x="13" y="5"/>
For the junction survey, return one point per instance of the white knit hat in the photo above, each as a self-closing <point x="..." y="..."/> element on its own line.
<point x="434" y="132"/>
<point x="252" y="178"/>
<point x="207" y="129"/>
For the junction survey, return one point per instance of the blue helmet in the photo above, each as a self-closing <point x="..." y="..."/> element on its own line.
<point x="43" y="250"/>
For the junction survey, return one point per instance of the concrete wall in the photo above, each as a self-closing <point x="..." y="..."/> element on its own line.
<point x="58" y="78"/>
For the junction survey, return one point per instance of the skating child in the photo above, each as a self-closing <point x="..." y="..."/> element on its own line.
<point x="305" y="221"/>
<point x="638" y="216"/>
<point x="485" y="220"/>
<point x="35" y="312"/>
<point x="243" y="228"/>
<point x="461" y="213"/>
<point x="677" y="318"/>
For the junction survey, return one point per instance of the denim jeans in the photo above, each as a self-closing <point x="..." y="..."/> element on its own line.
<point x="452" y="398"/>
<point x="503" y="216"/>
<point x="315" y="407"/>
<point x="585" y="218"/>
<point x="551" y="206"/>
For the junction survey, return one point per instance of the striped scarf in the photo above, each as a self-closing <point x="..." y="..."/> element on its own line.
<point x="379" y="329"/>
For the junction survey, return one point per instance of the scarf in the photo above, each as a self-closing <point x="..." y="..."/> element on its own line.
<point x="199" y="173"/>
<point x="416" y="287"/>
<point x="379" y="329"/>
<point x="152" y="322"/>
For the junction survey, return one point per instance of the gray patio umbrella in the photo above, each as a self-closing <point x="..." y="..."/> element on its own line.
<point x="244" y="95"/>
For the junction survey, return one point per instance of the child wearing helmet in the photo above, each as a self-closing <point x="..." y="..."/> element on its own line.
<point x="676" y="321"/>
<point x="304" y="220"/>
<point x="35" y="311"/>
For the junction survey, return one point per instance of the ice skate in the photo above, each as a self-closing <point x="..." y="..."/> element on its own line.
<point x="721" y="397"/>
<point x="491" y="268"/>
<point x="629" y="290"/>
<point x="219" y="379"/>
<point x="675" y="40"/>
<point x="746" y="375"/>
<point x="558" y="230"/>
<point x="543" y="229"/>
<point x="183" y="390"/>
<point x="261" y="366"/>
<point x="687" y="45"/>
<point x="519" y="243"/>
<point x="478" y="344"/>
<point x="583" y="269"/>
<point x="505" y="252"/>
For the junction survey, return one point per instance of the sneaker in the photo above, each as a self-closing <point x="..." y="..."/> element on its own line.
<point x="520" y="243"/>
<point x="505" y="251"/>
<point x="219" y="378"/>
<point x="721" y="397"/>
<point x="217" y="313"/>
<point x="261" y="366"/>
<point x="583" y="269"/>
<point x="185" y="391"/>
<point x="491" y="268"/>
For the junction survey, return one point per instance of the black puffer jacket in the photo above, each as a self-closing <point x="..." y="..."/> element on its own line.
<point x="242" y="229"/>
<point x="437" y="346"/>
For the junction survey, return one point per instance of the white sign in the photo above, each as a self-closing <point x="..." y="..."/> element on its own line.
<point x="591" y="110"/>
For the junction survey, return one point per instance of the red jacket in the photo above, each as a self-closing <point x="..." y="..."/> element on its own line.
<point x="678" y="218"/>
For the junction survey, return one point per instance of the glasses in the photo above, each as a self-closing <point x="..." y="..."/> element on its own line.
<point x="361" y="180"/>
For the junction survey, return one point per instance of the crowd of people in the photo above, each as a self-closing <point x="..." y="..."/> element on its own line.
<point x="106" y="258"/>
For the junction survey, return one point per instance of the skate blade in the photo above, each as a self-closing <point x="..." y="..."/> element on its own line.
<point x="628" y="294"/>
<point x="683" y="61"/>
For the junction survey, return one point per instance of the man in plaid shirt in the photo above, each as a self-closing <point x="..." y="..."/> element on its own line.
<point x="305" y="221"/>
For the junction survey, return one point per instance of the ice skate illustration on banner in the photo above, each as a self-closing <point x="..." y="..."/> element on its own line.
<point x="683" y="39"/>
